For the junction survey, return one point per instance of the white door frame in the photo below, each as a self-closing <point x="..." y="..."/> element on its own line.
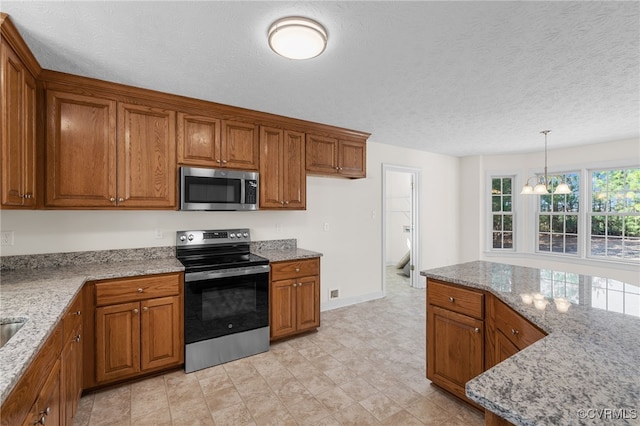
<point x="415" y="223"/>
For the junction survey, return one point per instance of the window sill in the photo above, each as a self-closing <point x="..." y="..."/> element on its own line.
<point x="575" y="260"/>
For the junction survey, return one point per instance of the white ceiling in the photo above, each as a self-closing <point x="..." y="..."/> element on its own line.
<point x="457" y="78"/>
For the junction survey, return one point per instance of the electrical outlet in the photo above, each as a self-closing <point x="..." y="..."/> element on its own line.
<point x="6" y="238"/>
<point x="158" y="233"/>
<point x="334" y="294"/>
<point x="325" y="226"/>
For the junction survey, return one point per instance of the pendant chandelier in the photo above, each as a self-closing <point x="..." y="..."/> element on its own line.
<point x="542" y="187"/>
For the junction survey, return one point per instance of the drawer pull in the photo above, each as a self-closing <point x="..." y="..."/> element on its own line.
<point x="294" y="284"/>
<point x="145" y="309"/>
<point x="451" y="299"/>
<point x="135" y="311"/>
<point x="477" y="330"/>
<point x="78" y="313"/>
<point x="514" y="331"/>
<point x="77" y="339"/>
<point x="140" y="290"/>
<point x="297" y="269"/>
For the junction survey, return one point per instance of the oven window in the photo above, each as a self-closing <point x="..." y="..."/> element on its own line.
<point x="222" y="306"/>
<point x="212" y="190"/>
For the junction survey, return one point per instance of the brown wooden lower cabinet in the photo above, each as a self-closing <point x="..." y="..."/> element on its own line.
<point x="468" y="332"/>
<point x="137" y="326"/>
<point x="49" y="390"/>
<point x="294" y="297"/>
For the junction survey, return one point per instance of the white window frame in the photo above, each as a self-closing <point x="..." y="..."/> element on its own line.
<point x="515" y="184"/>
<point x="580" y="231"/>
<point x="589" y="213"/>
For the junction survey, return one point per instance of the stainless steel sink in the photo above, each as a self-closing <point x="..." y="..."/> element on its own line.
<point x="8" y="328"/>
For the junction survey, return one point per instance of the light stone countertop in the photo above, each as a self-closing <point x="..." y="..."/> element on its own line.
<point x="281" y="255"/>
<point x="586" y="371"/>
<point x="43" y="294"/>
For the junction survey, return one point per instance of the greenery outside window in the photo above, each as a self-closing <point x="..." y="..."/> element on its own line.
<point x="557" y="217"/>
<point x="502" y="213"/>
<point x="614" y="217"/>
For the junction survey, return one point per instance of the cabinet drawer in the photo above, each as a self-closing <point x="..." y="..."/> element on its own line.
<point x="73" y="317"/>
<point x="294" y="269"/>
<point x="457" y="299"/>
<point x="515" y="327"/>
<point x="124" y="290"/>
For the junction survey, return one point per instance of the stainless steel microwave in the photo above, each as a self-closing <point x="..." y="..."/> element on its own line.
<point x="218" y="189"/>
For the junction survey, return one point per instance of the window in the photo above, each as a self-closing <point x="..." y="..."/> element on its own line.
<point x="502" y="212"/>
<point x="614" y="217"/>
<point x="557" y="217"/>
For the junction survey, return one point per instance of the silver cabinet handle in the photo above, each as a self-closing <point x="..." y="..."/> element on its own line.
<point x="120" y="199"/>
<point x="77" y="339"/>
<point x="140" y="290"/>
<point x="135" y="311"/>
<point x="297" y="269"/>
<point x="294" y="284"/>
<point x="224" y="161"/>
<point x="451" y="299"/>
<point x="78" y="313"/>
<point x="112" y="199"/>
<point x="514" y="331"/>
<point x="477" y="330"/>
<point x="145" y="309"/>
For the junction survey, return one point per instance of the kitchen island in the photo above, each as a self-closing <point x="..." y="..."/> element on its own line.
<point x="586" y="371"/>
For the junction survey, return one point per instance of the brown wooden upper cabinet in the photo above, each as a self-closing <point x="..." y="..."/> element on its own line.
<point x="101" y="153"/>
<point x="18" y="112"/>
<point x="211" y="142"/>
<point x="336" y="157"/>
<point x="282" y="172"/>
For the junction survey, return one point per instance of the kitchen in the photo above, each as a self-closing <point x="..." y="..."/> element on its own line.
<point x="347" y="208"/>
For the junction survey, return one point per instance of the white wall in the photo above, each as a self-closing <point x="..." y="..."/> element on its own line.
<point x="352" y="246"/>
<point x="474" y="172"/>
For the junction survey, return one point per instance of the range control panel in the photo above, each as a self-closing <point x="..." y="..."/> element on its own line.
<point x="184" y="238"/>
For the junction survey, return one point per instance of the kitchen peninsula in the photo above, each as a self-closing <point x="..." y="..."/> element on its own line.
<point x="585" y="371"/>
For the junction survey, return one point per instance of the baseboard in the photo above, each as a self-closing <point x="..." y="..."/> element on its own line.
<point x="341" y="303"/>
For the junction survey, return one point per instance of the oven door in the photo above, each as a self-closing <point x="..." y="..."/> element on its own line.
<point x="220" y="303"/>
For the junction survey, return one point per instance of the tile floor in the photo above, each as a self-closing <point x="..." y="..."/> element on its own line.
<point x="365" y="365"/>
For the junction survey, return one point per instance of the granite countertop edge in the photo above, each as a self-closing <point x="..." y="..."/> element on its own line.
<point x="287" y="254"/>
<point x="42" y="295"/>
<point x="584" y="350"/>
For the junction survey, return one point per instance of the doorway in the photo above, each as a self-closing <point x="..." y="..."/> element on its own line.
<point x="400" y="227"/>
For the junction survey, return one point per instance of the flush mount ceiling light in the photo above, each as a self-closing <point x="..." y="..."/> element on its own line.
<point x="297" y="38"/>
<point x="542" y="187"/>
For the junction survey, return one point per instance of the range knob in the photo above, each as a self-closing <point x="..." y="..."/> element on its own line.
<point x="190" y="237"/>
<point x="183" y="237"/>
<point x="232" y="235"/>
<point x="246" y="235"/>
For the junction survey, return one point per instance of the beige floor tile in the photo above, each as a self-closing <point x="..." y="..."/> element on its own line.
<point x="340" y="374"/>
<point x="150" y="401"/>
<point x="263" y="404"/>
<point x="317" y="384"/>
<point x="355" y="414"/>
<point x="335" y="400"/>
<point x="232" y="416"/>
<point x="158" y="418"/>
<point x="308" y="411"/>
<point x="402" y="395"/>
<point x="429" y="413"/>
<point x="358" y="389"/>
<point x="380" y="406"/>
<point x="112" y="406"/>
<point x="253" y="387"/>
<point x="223" y="398"/>
<point x="193" y="419"/>
<point x="403" y="418"/>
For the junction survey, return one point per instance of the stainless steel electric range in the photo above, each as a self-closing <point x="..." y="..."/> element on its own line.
<point x="226" y="297"/>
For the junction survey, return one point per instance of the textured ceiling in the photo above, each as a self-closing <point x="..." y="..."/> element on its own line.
<point x="457" y="78"/>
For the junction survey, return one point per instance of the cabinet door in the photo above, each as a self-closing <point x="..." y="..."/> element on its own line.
<point x="198" y="140"/>
<point x="160" y="333"/>
<point x="322" y="154"/>
<point x="294" y="177"/>
<point x="283" y="308"/>
<point x="504" y="348"/>
<point x="146" y="157"/>
<point x="72" y="374"/>
<point x="307" y="303"/>
<point x="117" y="341"/>
<point x="18" y="131"/>
<point x="352" y="158"/>
<point x="49" y="401"/>
<point x="240" y="145"/>
<point x="271" y="168"/>
<point x="81" y="151"/>
<point x="455" y="348"/>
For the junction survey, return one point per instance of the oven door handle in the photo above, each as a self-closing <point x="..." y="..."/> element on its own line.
<point x="251" y="270"/>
